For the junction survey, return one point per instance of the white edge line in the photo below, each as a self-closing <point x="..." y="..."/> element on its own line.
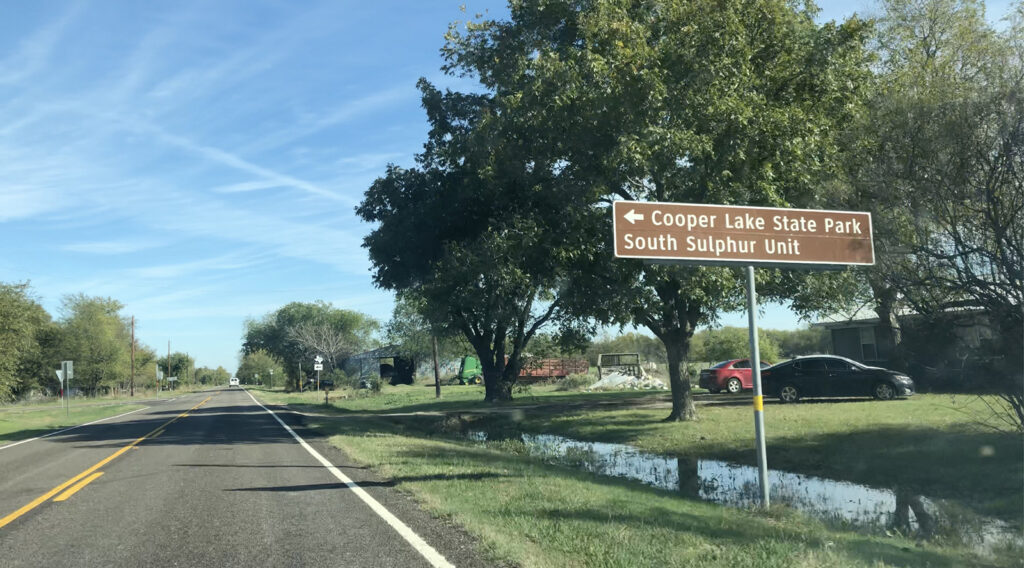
<point x="428" y="552"/>
<point x="71" y="428"/>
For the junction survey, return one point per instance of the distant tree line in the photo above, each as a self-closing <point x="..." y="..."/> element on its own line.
<point x="90" y="331"/>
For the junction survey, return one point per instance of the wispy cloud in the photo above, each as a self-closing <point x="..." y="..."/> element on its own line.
<point x="34" y="52"/>
<point x="110" y="247"/>
<point x="246" y="186"/>
<point x="226" y="262"/>
<point x="358" y="108"/>
<point x="262" y="50"/>
<point x="370" y="162"/>
<point x="231" y="160"/>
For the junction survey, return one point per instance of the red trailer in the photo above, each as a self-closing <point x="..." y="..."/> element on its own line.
<point x="536" y="370"/>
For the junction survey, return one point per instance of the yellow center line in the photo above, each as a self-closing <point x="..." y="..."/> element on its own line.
<point x="74" y="489"/>
<point x="45" y="496"/>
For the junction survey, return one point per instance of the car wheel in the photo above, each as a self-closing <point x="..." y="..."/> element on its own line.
<point x="885" y="391"/>
<point x="733" y="385"/>
<point x="789" y="393"/>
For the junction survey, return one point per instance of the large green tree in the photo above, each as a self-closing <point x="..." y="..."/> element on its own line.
<point x="299" y="331"/>
<point x="181" y="366"/>
<point x="209" y="376"/>
<point x="939" y="154"/>
<point x="97" y="339"/>
<point x="735" y="102"/>
<point x="410" y="329"/>
<point x="725" y="343"/>
<point x="475" y="233"/>
<point x="260" y="367"/>
<point x="25" y="329"/>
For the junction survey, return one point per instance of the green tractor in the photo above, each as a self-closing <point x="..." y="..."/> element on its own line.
<point x="470" y="372"/>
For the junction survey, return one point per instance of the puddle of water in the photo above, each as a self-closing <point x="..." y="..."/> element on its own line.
<point x="837" y="502"/>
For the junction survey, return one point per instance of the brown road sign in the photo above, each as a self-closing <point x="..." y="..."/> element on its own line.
<point x="726" y="234"/>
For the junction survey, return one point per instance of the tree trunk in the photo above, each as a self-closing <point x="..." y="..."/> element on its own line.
<point x="676" y="345"/>
<point x="504" y="391"/>
<point x="496" y="388"/>
<point x="892" y="335"/>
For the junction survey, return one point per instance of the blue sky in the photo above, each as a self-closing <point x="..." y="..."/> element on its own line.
<point x="200" y="161"/>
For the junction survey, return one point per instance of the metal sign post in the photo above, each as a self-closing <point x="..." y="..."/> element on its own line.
<point x="319" y="366"/>
<point x="67" y="371"/>
<point x="755" y="365"/>
<point x="742" y="236"/>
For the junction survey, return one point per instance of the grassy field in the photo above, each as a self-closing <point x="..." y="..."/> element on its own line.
<point x="29" y="421"/>
<point x="530" y="513"/>
<point x="399" y="399"/>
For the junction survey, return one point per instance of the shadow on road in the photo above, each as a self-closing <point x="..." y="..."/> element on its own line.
<point x="388" y="483"/>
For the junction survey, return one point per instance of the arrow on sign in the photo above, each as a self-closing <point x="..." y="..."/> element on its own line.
<point x="633" y="216"/>
<point x="60" y="375"/>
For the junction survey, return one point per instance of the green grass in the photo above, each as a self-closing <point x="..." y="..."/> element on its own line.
<point x="529" y="513"/>
<point x="417" y="398"/>
<point x="20" y="423"/>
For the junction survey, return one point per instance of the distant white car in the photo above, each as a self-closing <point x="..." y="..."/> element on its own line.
<point x="233" y="382"/>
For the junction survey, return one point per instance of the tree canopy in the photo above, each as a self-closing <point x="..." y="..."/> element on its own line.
<point x="938" y="157"/>
<point x="260" y="367"/>
<point x="297" y="332"/>
<point x="25" y="329"/>
<point x="475" y="233"/>
<point x="96" y="338"/>
<point x="697" y="101"/>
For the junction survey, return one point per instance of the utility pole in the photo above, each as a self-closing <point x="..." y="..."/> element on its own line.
<point x="168" y="360"/>
<point x="437" y="371"/>
<point x="131" y="383"/>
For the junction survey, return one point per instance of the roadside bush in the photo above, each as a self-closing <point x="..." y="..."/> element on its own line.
<point x="370" y="384"/>
<point x="522" y="389"/>
<point x="576" y="381"/>
<point x="338" y="376"/>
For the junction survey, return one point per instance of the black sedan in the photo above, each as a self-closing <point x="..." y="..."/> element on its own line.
<point x="828" y="375"/>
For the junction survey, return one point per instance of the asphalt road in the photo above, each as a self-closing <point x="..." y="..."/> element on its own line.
<point x="208" y="479"/>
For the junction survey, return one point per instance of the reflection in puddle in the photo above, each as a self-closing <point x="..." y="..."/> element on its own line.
<point x="837" y="502"/>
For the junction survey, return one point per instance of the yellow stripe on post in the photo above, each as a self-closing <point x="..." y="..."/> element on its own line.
<point x="758" y="403"/>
